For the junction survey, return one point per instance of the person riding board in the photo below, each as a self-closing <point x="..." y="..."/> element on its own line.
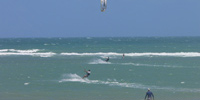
<point x="107" y="59"/>
<point x="123" y="55"/>
<point x="87" y="73"/>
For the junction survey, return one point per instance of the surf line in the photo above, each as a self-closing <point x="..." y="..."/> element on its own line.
<point x="147" y="54"/>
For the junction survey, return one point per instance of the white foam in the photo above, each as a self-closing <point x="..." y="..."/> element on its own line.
<point x="148" y="54"/>
<point x="25" y="51"/>
<point x="101" y="54"/>
<point x="149" y="65"/>
<point x="20" y="51"/>
<point x="182" y="82"/>
<point x="111" y="57"/>
<point x="29" y="52"/>
<point x="176" y="54"/>
<point x="3" y="50"/>
<point x="114" y="82"/>
<point x="92" y="54"/>
<point x="99" y="61"/>
<point x="73" y="78"/>
<point x="27" y="83"/>
<point x="47" y="54"/>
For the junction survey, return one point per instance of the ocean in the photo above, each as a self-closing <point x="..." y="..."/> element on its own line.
<point x="52" y="68"/>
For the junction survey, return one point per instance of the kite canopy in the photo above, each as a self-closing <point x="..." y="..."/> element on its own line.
<point x="103" y="5"/>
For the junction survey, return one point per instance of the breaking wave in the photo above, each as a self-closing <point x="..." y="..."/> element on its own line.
<point x="20" y="51"/>
<point x="149" y="65"/>
<point x="31" y="52"/>
<point x="176" y="54"/>
<point x="41" y="53"/>
<point x="114" y="82"/>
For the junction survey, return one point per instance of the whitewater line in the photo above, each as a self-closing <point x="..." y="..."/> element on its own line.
<point x="36" y="52"/>
<point x="176" y="54"/>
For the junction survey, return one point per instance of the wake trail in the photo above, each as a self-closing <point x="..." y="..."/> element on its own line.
<point x="114" y="82"/>
<point x="99" y="61"/>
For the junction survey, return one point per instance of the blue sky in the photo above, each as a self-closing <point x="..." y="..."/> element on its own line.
<point x="83" y="18"/>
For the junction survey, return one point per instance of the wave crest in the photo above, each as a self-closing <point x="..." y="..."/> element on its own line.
<point x="29" y="52"/>
<point x="41" y="53"/>
<point x="150" y="65"/>
<point x="148" y="54"/>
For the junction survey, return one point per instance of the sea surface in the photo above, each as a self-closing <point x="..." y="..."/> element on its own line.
<point x="52" y="68"/>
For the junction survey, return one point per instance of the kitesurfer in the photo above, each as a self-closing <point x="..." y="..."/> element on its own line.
<point x="87" y="73"/>
<point x="123" y="55"/>
<point x="107" y="59"/>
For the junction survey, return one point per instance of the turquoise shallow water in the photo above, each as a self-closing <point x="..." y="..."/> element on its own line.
<point x="51" y="68"/>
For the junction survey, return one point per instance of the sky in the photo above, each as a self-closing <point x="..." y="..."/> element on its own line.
<point x="83" y="18"/>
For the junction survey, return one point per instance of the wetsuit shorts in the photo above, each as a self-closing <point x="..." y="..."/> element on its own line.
<point x="149" y="98"/>
<point x="88" y="74"/>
